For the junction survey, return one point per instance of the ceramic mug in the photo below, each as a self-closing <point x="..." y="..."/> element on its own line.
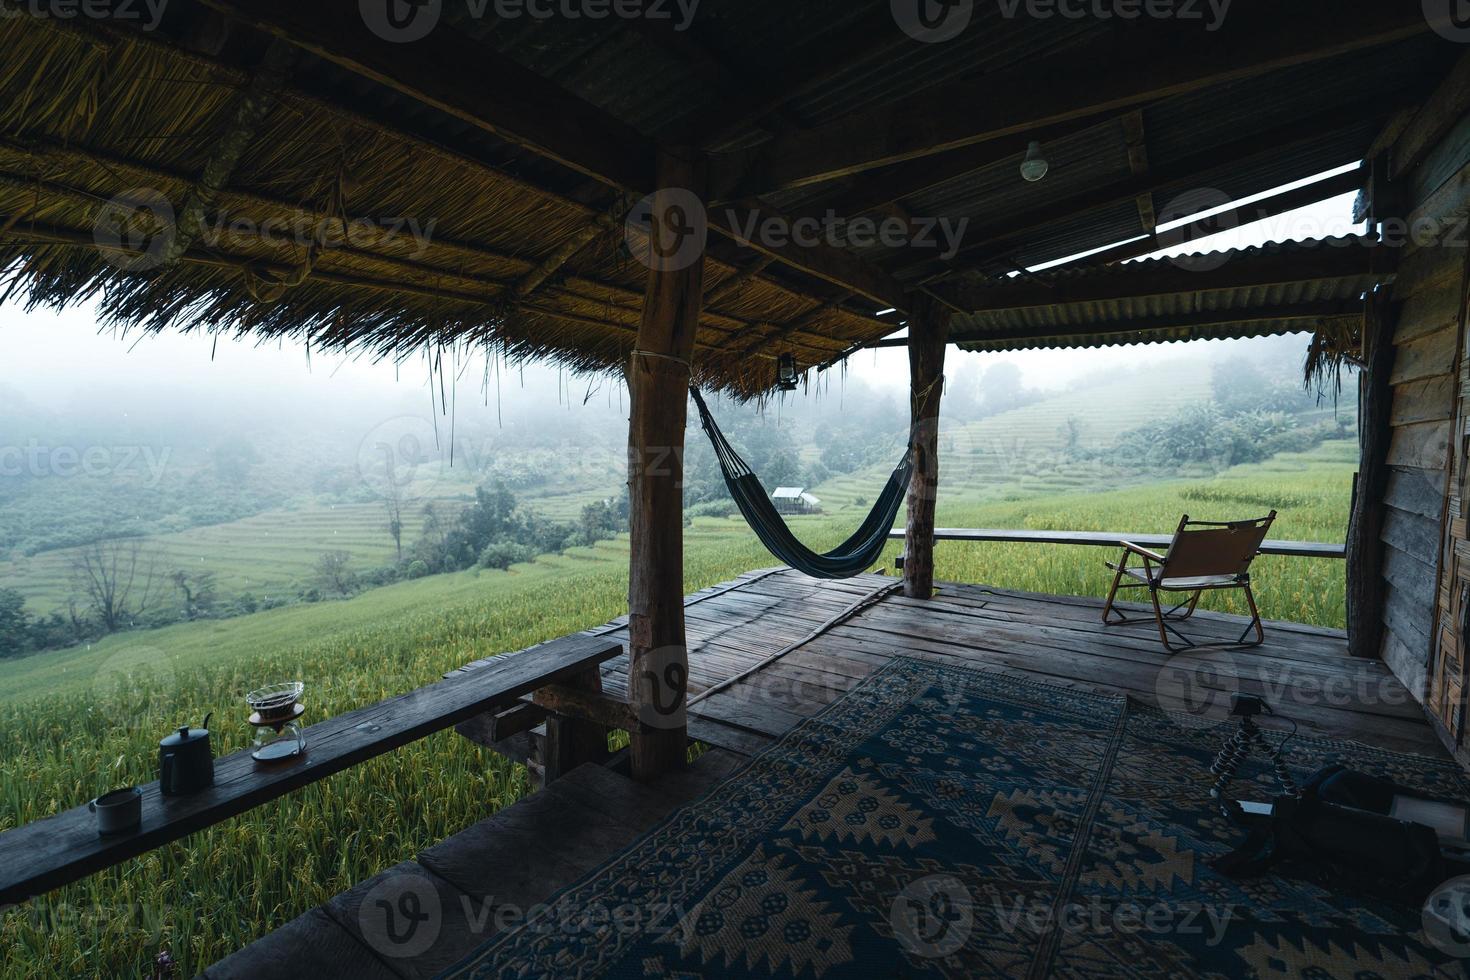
<point x="118" y="812"/>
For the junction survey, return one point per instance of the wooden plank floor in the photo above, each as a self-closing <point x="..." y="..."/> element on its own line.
<point x="1304" y="672"/>
<point x="522" y="855"/>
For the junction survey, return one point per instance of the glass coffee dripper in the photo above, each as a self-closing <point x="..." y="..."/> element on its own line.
<point x="276" y="712"/>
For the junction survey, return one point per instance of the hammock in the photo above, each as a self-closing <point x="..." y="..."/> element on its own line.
<point x="853" y="557"/>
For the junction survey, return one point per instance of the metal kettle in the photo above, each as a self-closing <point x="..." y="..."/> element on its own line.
<point x="185" y="762"/>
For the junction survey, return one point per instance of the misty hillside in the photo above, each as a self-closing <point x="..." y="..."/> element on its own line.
<point x="254" y="503"/>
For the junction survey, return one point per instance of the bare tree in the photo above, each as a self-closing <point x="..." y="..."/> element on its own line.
<point x="119" y="580"/>
<point x="332" y="572"/>
<point x="393" y="506"/>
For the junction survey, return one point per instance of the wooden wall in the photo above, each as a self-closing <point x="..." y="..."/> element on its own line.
<point x="1424" y="525"/>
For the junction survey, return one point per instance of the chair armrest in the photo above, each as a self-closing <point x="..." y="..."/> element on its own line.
<point x="1143" y="552"/>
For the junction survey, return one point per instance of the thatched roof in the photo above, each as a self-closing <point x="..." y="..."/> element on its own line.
<point x="518" y="148"/>
<point x="87" y="126"/>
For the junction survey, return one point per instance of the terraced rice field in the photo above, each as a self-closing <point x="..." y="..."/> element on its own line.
<point x="1020" y="453"/>
<point x="269" y="555"/>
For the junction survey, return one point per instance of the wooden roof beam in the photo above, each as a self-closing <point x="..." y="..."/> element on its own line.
<point x="1342" y="259"/>
<point x="463" y="79"/>
<point x="248" y="112"/>
<point x="1137" y="141"/>
<point x="1253" y="40"/>
<point x="454" y="75"/>
<point x="983" y="246"/>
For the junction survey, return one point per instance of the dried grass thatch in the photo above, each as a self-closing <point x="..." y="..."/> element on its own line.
<point x="106" y="132"/>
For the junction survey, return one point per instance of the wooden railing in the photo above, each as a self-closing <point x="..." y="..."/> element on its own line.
<point x="1111" y="539"/>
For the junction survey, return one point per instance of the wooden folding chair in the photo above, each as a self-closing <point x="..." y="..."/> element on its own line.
<point x="1203" y="557"/>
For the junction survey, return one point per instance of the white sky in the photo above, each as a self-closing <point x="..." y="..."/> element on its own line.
<point x="48" y="356"/>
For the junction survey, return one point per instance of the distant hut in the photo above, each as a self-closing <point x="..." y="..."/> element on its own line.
<point x="795" y="500"/>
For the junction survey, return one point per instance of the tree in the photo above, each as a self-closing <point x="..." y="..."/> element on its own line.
<point x="393" y="507"/>
<point x="334" y="575"/>
<point x="119" y="580"/>
<point x="199" y="593"/>
<point x="15" y="625"/>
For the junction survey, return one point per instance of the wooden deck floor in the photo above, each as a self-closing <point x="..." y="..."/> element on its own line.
<point x="791" y="645"/>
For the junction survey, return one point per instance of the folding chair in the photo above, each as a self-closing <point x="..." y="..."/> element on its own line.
<point x="1203" y="557"/>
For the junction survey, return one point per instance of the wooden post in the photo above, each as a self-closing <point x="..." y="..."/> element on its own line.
<point x="1365" y="528"/>
<point x="658" y="383"/>
<point x="928" y="335"/>
<point x="571" y="741"/>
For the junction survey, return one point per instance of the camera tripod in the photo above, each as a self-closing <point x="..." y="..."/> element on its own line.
<point x="1246" y="739"/>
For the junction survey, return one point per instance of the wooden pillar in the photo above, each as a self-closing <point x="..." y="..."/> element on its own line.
<point x="928" y="335"/>
<point x="1365" y="527"/>
<point x="658" y="383"/>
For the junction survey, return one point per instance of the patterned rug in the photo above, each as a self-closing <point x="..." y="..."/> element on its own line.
<point x="940" y="822"/>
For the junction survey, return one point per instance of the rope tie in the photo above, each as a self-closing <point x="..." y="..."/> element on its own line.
<point x="665" y="357"/>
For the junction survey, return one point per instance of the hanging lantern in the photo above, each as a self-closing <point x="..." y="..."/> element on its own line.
<point x="786" y="376"/>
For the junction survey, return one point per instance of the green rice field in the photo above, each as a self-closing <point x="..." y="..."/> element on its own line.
<point x="81" y="721"/>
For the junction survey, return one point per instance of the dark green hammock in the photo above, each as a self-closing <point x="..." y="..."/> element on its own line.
<point x="853" y="557"/>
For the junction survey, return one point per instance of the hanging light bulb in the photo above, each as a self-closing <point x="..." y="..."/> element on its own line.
<point x="1035" y="166"/>
<point x="786" y="378"/>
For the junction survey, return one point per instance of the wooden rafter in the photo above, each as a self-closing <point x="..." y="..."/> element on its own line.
<point x="248" y="112"/>
<point x="454" y="75"/>
<point x="1251" y="41"/>
<point x="785" y="330"/>
<point x="1137" y="140"/>
<point x="985" y="246"/>
<point x="735" y="284"/>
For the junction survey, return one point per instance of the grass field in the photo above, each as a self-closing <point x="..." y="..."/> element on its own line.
<point x="78" y="722"/>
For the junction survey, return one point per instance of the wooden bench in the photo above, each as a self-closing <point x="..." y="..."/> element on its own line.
<point x="49" y="853"/>
<point x="1111" y="539"/>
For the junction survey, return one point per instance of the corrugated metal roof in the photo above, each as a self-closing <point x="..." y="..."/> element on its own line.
<point x="1175" y="316"/>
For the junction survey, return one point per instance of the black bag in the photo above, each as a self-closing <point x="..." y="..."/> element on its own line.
<point x="1356" y="845"/>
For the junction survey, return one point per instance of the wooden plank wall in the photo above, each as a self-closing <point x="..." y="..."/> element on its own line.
<point x="1423" y="515"/>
